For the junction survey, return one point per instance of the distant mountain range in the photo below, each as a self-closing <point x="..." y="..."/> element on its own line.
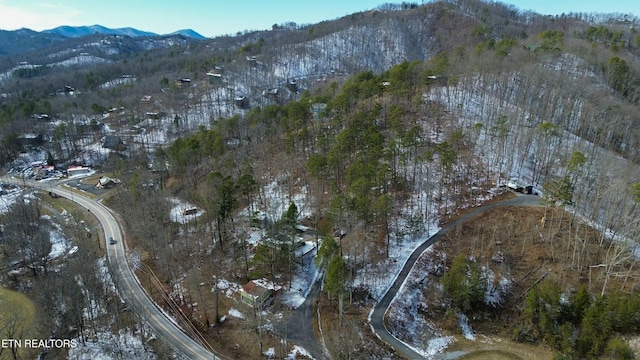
<point x="80" y="31"/>
<point x="24" y="40"/>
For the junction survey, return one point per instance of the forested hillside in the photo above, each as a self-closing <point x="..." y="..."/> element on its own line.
<point x="361" y="137"/>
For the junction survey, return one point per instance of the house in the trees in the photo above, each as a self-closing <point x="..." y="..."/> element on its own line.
<point x="113" y="142"/>
<point x="159" y="165"/>
<point x="155" y="115"/>
<point x="184" y="82"/>
<point x="242" y="102"/>
<point x="30" y="140"/>
<point x="45" y="117"/>
<point x="292" y="85"/>
<point x="189" y="211"/>
<point x="317" y="109"/>
<point x="252" y="60"/>
<point x="271" y="93"/>
<point x="256" y="293"/>
<point x="215" y="78"/>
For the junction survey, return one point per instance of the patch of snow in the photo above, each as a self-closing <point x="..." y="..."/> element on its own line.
<point x="103" y="273"/>
<point x="7" y="200"/>
<point x="493" y="296"/>
<point x="229" y="288"/>
<point x="73" y="250"/>
<point x="180" y="211"/>
<point x="298" y="351"/>
<point x="437" y="345"/>
<point x="463" y="323"/>
<point x="305" y="275"/>
<point x="236" y="313"/>
<point x="407" y="308"/>
<point x="270" y="353"/>
<point x="108" y="346"/>
<point x="82" y="60"/>
<point x="59" y="244"/>
<point x="255" y="236"/>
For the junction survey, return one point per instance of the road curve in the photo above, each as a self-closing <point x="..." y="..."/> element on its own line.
<point x="124" y="279"/>
<point x="380" y="309"/>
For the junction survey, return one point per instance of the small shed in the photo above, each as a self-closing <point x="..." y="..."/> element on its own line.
<point x="255" y="295"/>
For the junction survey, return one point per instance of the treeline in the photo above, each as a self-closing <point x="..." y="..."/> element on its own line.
<point x="579" y="325"/>
<point x="620" y="75"/>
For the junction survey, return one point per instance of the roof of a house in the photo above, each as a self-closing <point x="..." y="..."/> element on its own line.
<point x="105" y="180"/>
<point x="72" y="168"/>
<point x="254" y="289"/>
<point x="259" y="286"/>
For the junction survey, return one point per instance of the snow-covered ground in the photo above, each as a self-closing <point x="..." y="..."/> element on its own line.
<point x="183" y="211"/>
<point x="296" y="352"/>
<point x="7" y="200"/>
<point x="305" y="275"/>
<point x="236" y="313"/>
<point x="59" y="244"/>
<point x="109" y="346"/>
<point x="409" y="305"/>
<point x="277" y="200"/>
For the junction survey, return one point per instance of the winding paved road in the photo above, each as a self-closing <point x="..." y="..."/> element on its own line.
<point x="134" y="295"/>
<point x="380" y="309"/>
<point x="124" y="278"/>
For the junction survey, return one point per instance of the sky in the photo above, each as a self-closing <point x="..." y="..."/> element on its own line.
<point x="223" y="17"/>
